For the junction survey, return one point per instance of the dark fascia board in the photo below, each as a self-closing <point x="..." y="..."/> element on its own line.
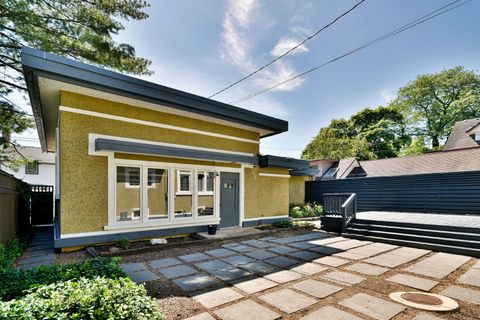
<point x="102" y="144"/>
<point x="282" y="162"/>
<point x="304" y="172"/>
<point x="37" y="62"/>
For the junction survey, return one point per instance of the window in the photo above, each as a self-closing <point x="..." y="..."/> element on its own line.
<point x="31" y="167"/>
<point x="157" y="197"/>
<point x="477" y="136"/>
<point x="128" y="194"/>
<point x="205" y="182"/>
<point x="183" y="196"/>
<point x="330" y="174"/>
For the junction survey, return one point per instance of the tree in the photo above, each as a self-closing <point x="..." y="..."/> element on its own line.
<point x="433" y="102"/>
<point x="368" y="134"/>
<point x="417" y="146"/>
<point x="79" y="29"/>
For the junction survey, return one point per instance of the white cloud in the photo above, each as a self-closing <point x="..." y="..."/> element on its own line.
<point x="238" y="38"/>
<point x="286" y="44"/>
<point x="388" y="94"/>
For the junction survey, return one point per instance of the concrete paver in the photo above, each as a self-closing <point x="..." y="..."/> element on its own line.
<point x="282" y="250"/>
<point x="397" y="257"/>
<point x="309" y="268"/>
<point x="195" y="282"/>
<point x="332" y="261"/>
<point x="164" y="263"/>
<point x="261" y="254"/>
<point x="283" y="276"/>
<point x="142" y="276"/>
<point x="465" y="294"/>
<point x="177" y="271"/>
<point x="258" y="267"/>
<point x="288" y="300"/>
<point x="439" y="265"/>
<point x="220" y="253"/>
<point x="304" y="255"/>
<point x="194" y="257"/>
<point x="282" y="262"/>
<point x="413" y="282"/>
<point x="373" y="307"/>
<point x="316" y="288"/>
<point x="368" y="269"/>
<point x="255" y="285"/>
<point x="132" y="267"/>
<point x="229" y="274"/>
<point x="217" y="297"/>
<point x="237" y="260"/>
<point x="425" y="316"/>
<point x="330" y="313"/>
<point x="201" y="316"/>
<point x="212" y="265"/>
<point x="343" y="277"/>
<point x="471" y="277"/>
<point x="247" y="309"/>
<point x="242" y="248"/>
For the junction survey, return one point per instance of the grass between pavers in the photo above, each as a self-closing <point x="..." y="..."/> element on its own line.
<point x="93" y="289"/>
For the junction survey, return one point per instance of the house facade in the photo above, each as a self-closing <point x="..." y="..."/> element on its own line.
<point x="39" y="170"/>
<point x="138" y="160"/>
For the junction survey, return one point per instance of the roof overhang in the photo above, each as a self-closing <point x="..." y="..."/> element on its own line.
<point x="282" y="162"/>
<point x="47" y="74"/>
<point x="102" y="144"/>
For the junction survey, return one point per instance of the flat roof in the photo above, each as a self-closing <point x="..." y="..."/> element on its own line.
<point x="40" y="66"/>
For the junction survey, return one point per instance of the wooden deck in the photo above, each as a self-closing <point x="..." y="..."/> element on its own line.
<point x="453" y="220"/>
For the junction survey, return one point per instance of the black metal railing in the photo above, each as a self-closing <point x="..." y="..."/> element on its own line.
<point x="340" y="205"/>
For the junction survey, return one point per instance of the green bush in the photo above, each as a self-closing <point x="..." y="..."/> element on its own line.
<point x="123" y="243"/>
<point x="284" y="224"/>
<point x="97" y="298"/>
<point x="10" y="253"/>
<point x="305" y="211"/>
<point x="15" y="283"/>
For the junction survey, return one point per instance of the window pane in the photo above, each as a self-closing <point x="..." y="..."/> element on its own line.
<point x="210" y="177"/>
<point x="128" y="194"/>
<point x="31" y="167"/>
<point x="205" y="200"/>
<point x="201" y="181"/>
<point x="183" y="202"/>
<point x="157" y="206"/>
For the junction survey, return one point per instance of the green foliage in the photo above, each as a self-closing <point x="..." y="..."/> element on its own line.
<point x="123" y="243"/>
<point x="417" y="146"/>
<point x="84" y="298"/>
<point x="433" y="102"/>
<point x="284" y="224"/>
<point x="368" y="134"/>
<point x="306" y="211"/>
<point x="9" y="254"/>
<point x="16" y="282"/>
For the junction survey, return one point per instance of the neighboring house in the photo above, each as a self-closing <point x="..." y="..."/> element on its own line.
<point x="139" y="160"/>
<point x="465" y="134"/>
<point x="434" y="162"/>
<point x="39" y="170"/>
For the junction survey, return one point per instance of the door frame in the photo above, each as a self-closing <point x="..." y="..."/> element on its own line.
<point x="239" y="196"/>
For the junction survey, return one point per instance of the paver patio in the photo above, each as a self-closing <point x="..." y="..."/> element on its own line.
<point x="311" y="276"/>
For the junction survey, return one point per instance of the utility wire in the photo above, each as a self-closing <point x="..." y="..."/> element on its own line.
<point x="16" y="106"/>
<point x="289" y="50"/>
<point x="409" y="25"/>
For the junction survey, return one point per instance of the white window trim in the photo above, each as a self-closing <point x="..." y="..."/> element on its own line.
<point x="184" y="192"/>
<point x="171" y="222"/>
<point x="204" y="192"/>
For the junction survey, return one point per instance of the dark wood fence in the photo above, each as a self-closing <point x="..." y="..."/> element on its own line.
<point x="457" y="193"/>
<point x="14" y="207"/>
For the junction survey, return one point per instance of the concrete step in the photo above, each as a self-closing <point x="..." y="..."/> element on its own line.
<point x="418" y="231"/>
<point x="418" y="225"/>
<point x="403" y="234"/>
<point x="418" y="244"/>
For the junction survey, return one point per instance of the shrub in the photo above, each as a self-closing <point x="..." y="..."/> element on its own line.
<point x="305" y="211"/>
<point x="10" y="253"/>
<point x="15" y="283"/>
<point x="123" y="243"/>
<point x="97" y="298"/>
<point x="284" y="224"/>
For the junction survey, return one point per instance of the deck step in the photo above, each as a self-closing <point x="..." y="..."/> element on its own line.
<point x="411" y="236"/>
<point x="412" y="229"/>
<point x="417" y="244"/>
<point x="432" y="226"/>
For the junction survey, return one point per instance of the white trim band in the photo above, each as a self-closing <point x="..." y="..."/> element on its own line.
<point x="154" y="124"/>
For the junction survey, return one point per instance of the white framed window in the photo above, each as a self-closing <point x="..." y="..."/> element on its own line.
<point x="132" y="177"/>
<point x="205" y="181"/>
<point x="184" y="182"/>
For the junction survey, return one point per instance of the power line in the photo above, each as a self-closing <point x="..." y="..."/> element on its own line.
<point x="409" y="25"/>
<point x="289" y="50"/>
<point x="15" y="105"/>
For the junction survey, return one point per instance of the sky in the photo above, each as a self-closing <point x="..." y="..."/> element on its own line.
<point x="203" y="46"/>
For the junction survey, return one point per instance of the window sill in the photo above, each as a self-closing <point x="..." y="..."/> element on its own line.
<point x="183" y="193"/>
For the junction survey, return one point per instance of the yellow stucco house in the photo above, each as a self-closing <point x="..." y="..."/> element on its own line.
<point x="139" y="160"/>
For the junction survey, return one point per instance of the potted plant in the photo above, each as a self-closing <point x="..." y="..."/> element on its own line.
<point x="212" y="229"/>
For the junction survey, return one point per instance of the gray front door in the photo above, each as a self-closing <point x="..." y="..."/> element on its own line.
<point x="229" y="208"/>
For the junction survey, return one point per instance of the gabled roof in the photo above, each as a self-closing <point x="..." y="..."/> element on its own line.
<point x="56" y="73"/>
<point x="461" y="135"/>
<point x="35" y="153"/>
<point x="435" y="162"/>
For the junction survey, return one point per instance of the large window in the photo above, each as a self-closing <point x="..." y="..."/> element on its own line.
<point x="146" y="193"/>
<point x="183" y="196"/>
<point x="157" y="198"/>
<point x="128" y="194"/>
